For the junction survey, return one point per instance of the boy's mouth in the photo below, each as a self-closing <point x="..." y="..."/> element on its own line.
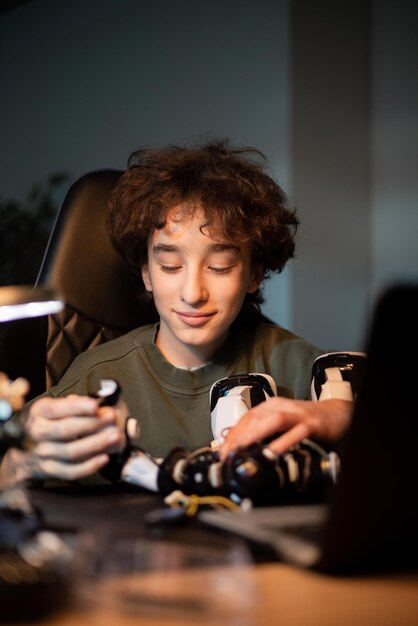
<point x="194" y="318"/>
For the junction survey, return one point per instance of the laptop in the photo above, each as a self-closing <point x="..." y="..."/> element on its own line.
<point x="370" y="522"/>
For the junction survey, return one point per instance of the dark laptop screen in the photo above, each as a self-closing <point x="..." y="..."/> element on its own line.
<point x="374" y="516"/>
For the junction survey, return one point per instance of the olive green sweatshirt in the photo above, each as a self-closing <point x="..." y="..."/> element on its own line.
<point x="171" y="403"/>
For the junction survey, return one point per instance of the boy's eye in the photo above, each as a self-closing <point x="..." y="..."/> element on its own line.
<point x="170" y="269"/>
<point x="221" y="270"/>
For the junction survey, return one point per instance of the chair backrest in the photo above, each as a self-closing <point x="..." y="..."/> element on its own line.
<point x="100" y="292"/>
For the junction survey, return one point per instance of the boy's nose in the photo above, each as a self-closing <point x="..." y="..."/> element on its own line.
<point x="194" y="289"/>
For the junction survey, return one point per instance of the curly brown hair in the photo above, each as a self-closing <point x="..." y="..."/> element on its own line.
<point x="228" y="183"/>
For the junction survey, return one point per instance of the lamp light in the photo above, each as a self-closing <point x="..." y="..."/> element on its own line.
<point x="24" y="301"/>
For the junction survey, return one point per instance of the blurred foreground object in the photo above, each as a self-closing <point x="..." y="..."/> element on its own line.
<point x="21" y="302"/>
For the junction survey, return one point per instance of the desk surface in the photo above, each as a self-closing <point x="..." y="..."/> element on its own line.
<point x="283" y="596"/>
<point x="273" y="593"/>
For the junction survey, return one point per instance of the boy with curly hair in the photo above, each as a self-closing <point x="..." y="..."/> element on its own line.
<point x="202" y="227"/>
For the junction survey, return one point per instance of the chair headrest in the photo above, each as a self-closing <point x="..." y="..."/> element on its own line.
<point x="81" y="262"/>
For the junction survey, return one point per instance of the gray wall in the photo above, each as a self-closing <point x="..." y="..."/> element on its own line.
<point x="330" y="145"/>
<point x="84" y="83"/>
<point x="354" y="147"/>
<point x="327" y="90"/>
<point x="394" y="127"/>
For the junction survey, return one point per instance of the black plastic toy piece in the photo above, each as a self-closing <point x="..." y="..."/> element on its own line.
<point x="109" y="394"/>
<point x="303" y="474"/>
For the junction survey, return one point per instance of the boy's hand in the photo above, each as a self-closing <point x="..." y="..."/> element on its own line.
<point x="70" y="439"/>
<point x="327" y="420"/>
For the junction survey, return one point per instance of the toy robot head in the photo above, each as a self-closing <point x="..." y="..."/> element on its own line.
<point x="233" y="396"/>
<point x="337" y="375"/>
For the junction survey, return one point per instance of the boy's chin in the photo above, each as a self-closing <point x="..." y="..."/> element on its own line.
<point x="205" y="347"/>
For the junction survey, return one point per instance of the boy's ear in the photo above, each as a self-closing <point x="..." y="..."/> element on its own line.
<point x="255" y="278"/>
<point x="146" y="278"/>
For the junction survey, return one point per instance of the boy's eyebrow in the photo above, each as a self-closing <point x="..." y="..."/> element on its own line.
<point x="213" y="247"/>
<point x="222" y="247"/>
<point x="164" y="247"/>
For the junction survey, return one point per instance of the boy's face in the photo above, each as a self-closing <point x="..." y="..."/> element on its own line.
<point x="199" y="284"/>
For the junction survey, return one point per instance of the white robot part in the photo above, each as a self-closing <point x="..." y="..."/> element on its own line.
<point x="229" y="410"/>
<point x="141" y="470"/>
<point x="337" y="375"/>
<point x="233" y="405"/>
<point x="335" y="386"/>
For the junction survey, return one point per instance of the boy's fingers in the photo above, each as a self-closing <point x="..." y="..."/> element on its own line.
<point x="79" y="448"/>
<point x="66" y="428"/>
<point x="57" y="408"/>
<point x="290" y="438"/>
<point x="51" y="468"/>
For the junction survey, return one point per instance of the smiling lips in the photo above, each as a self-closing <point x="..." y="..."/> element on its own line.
<point x="195" y="318"/>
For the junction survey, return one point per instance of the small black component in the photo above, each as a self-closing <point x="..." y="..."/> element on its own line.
<point x="108" y="392"/>
<point x="12" y="435"/>
<point x="112" y="470"/>
<point x="166" y="476"/>
<point x="249" y="473"/>
<point x="195" y="473"/>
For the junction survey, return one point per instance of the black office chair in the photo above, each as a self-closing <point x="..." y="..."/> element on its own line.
<point x="100" y="292"/>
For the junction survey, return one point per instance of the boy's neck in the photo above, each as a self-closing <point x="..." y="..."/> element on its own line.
<point x="187" y="356"/>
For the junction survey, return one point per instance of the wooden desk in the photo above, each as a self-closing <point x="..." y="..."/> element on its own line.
<point x="273" y="593"/>
<point x="303" y="598"/>
<point x="283" y="596"/>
